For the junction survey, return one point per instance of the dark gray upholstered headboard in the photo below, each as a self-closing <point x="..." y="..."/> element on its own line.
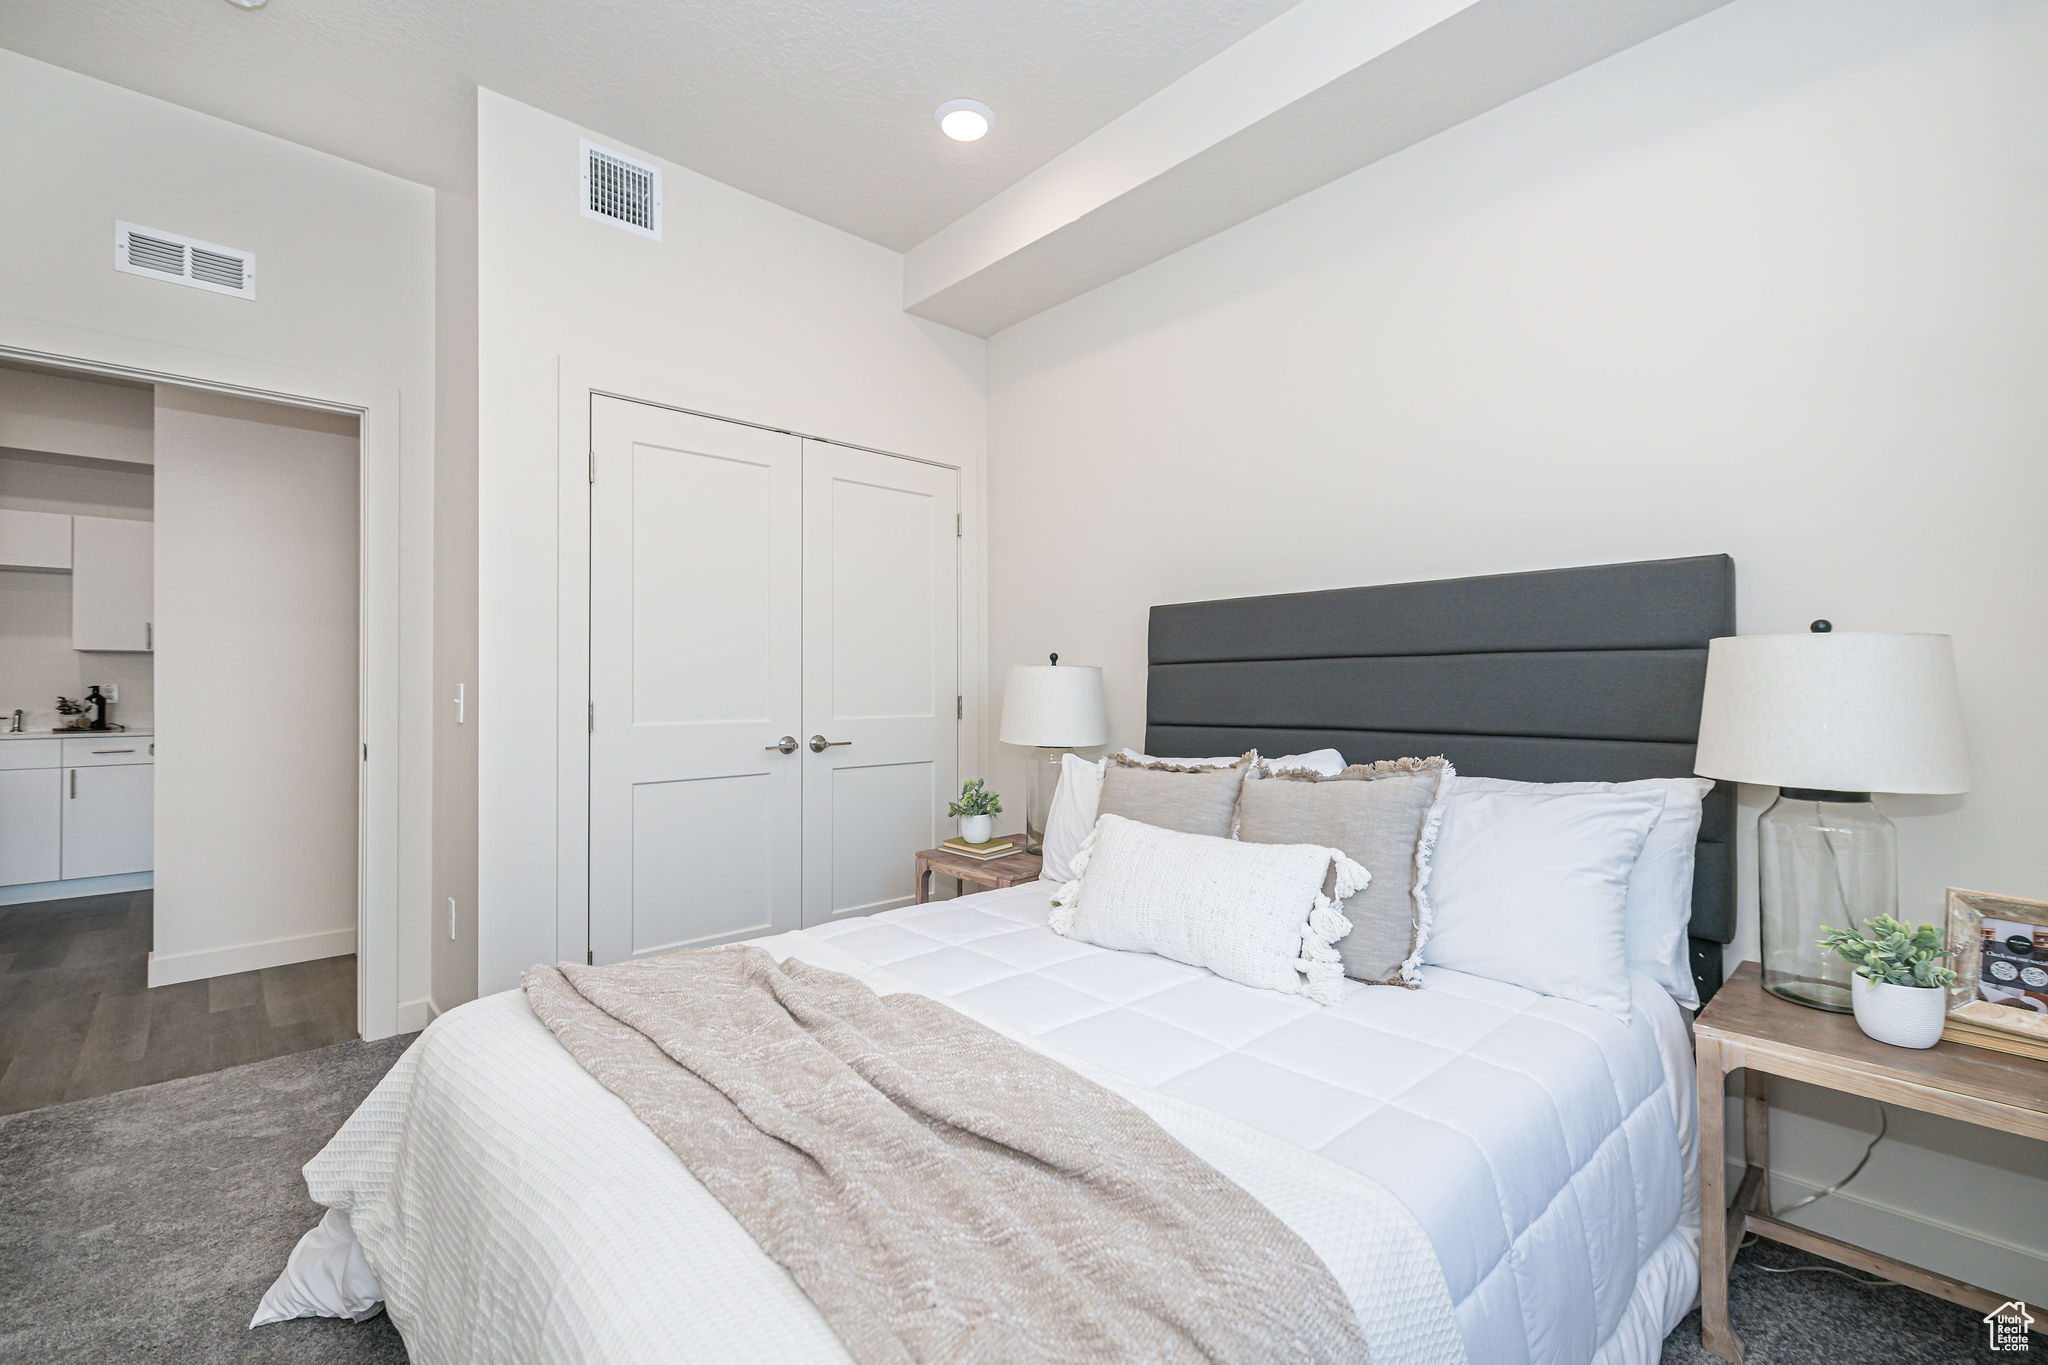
<point x="1566" y="675"/>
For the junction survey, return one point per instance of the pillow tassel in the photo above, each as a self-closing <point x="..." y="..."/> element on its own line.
<point x="1067" y="902"/>
<point x="1320" y="965"/>
<point x="1351" y="877"/>
<point x="1323" y="982"/>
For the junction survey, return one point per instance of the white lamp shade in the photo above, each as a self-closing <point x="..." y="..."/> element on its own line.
<point x="1054" y="707"/>
<point x="1840" y="712"/>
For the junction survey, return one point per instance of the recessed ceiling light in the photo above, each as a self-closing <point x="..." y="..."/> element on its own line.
<point x="248" y="4"/>
<point x="964" y="120"/>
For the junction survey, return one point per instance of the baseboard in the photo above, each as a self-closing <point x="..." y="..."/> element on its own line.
<point x="1913" y="1237"/>
<point x="414" y="1015"/>
<point x="169" y="970"/>
<point x="23" y="893"/>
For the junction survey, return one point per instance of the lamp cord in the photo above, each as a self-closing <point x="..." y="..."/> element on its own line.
<point x="1883" y="1123"/>
<point x="1827" y="839"/>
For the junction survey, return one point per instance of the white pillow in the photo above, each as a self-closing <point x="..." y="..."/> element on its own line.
<point x="1659" y="911"/>
<point x="1075" y="800"/>
<point x="326" y="1277"/>
<point x="1254" y="913"/>
<point x="1530" y="889"/>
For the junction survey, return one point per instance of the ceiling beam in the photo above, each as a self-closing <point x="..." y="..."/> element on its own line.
<point x="1324" y="89"/>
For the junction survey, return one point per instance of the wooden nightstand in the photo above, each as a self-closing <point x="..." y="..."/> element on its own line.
<point x="1744" y="1028"/>
<point x="993" y="873"/>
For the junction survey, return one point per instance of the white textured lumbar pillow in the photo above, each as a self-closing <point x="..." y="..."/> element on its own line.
<point x="1253" y="913"/>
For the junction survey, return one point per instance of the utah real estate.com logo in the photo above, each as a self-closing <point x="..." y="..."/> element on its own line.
<point x="2007" y="1326"/>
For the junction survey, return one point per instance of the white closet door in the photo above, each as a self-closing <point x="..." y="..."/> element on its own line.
<point x="881" y="676"/>
<point x="695" y="602"/>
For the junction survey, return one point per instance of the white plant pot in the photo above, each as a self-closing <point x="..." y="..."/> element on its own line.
<point x="977" y="829"/>
<point x="1904" y="1016"/>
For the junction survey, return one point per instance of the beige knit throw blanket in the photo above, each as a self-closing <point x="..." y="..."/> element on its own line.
<point x="941" y="1192"/>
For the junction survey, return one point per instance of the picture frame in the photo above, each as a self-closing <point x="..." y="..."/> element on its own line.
<point x="1999" y="949"/>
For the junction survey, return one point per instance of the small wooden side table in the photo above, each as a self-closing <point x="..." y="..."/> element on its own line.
<point x="994" y="873"/>
<point x="1745" y="1028"/>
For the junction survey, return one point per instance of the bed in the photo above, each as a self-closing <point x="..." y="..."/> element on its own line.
<point x="1492" y="1175"/>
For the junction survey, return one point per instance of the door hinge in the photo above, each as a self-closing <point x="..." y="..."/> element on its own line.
<point x="959" y="708"/>
<point x="958" y="521"/>
<point x="593" y="466"/>
<point x="590" y="719"/>
<point x="366" y="753"/>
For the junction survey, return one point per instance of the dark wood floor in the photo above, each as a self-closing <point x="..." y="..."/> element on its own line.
<point x="78" y="1019"/>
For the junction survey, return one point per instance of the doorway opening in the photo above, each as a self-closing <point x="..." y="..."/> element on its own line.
<point x="180" y="718"/>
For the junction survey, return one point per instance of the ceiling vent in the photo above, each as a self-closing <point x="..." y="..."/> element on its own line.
<point x="184" y="260"/>
<point x="621" y="191"/>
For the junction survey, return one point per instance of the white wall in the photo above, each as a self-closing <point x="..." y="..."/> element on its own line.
<point x="345" y="288"/>
<point x="1771" y="284"/>
<point x="746" y="310"/>
<point x="61" y="414"/>
<point x="257" y="578"/>
<point x="37" y="662"/>
<point x="76" y="448"/>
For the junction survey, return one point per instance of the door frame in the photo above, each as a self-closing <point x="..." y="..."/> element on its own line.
<point x="376" y="409"/>
<point x="577" y="381"/>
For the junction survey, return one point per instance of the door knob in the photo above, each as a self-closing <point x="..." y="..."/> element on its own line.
<point x="787" y="745"/>
<point x="819" y="744"/>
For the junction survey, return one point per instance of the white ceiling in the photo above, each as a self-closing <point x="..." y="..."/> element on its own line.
<point x="823" y="106"/>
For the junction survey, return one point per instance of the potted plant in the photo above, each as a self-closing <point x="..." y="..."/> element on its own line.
<point x="67" y="707"/>
<point x="976" y="811"/>
<point x="1899" y="991"/>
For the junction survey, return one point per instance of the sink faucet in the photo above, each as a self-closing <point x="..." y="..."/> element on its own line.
<point x="15" y="727"/>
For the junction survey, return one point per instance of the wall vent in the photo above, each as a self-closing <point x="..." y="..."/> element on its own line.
<point x="184" y="260"/>
<point x="621" y="191"/>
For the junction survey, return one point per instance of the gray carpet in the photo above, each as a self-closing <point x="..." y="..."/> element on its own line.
<point x="144" y="1226"/>
<point x="1817" y="1318"/>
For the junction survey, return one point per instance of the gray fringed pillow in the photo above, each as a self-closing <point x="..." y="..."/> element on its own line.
<point x="1193" y="800"/>
<point x="1382" y="815"/>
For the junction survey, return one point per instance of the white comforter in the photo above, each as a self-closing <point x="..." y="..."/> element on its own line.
<point x="1535" y="1151"/>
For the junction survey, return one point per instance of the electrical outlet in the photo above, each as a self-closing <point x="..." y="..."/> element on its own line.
<point x="111" y="691"/>
<point x="451" y="917"/>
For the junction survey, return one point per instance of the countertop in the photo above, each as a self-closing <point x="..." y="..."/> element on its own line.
<point x="139" y="733"/>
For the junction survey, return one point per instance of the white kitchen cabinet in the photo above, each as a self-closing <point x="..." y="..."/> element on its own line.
<point x="76" y="806"/>
<point x="113" y="584"/>
<point x="31" y="809"/>
<point x="107" y="748"/>
<point x="34" y="540"/>
<point x="109" y="819"/>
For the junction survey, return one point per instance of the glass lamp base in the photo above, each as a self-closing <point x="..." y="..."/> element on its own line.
<point x="1825" y="860"/>
<point x="1041" y="778"/>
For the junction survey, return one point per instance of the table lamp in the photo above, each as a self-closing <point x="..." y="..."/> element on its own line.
<point x="1050" y="709"/>
<point x="1828" y="718"/>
